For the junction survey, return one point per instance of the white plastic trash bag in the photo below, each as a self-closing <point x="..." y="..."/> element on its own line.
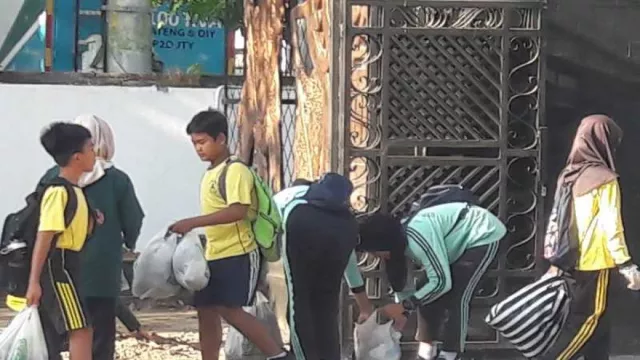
<point x="189" y="265"/>
<point x="23" y="339"/>
<point x="153" y="269"/>
<point x="375" y="341"/>
<point x="237" y="347"/>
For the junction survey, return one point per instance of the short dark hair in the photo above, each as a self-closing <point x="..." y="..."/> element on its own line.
<point x="384" y="232"/>
<point x="62" y="140"/>
<point x="210" y="122"/>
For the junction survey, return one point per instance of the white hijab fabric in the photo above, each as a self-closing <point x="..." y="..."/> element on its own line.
<point x="103" y="145"/>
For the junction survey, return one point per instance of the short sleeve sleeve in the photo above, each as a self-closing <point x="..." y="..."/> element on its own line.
<point x="239" y="184"/>
<point x="52" y="208"/>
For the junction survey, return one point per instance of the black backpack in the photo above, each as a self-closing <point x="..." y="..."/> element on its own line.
<point x="443" y="194"/>
<point x="19" y="237"/>
<point x="561" y="244"/>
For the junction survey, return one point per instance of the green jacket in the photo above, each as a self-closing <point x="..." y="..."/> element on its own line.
<point x="101" y="257"/>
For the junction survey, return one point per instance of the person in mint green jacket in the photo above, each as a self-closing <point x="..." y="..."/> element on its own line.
<point x="453" y="244"/>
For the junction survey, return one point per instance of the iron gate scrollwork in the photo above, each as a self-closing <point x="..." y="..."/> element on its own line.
<point x="445" y="91"/>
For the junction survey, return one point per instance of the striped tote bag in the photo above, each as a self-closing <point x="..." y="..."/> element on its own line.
<point x="532" y="318"/>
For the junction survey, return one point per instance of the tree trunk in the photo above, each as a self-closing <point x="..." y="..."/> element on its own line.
<point x="259" y="119"/>
<point x="259" y="113"/>
<point x="311" y="25"/>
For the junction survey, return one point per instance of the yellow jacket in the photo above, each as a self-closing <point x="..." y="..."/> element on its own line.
<point x="601" y="234"/>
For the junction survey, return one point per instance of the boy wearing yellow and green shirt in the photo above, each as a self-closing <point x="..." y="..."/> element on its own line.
<point x="231" y="250"/>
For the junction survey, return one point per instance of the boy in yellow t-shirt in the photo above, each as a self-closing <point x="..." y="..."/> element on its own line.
<point x="231" y="251"/>
<point x="54" y="272"/>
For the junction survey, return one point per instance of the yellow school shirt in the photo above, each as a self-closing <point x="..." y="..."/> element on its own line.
<point x="601" y="234"/>
<point x="227" y="240"/>
<point x="52" y="208"/>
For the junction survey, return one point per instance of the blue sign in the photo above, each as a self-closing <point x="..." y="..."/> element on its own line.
<point x="180" y="42"/>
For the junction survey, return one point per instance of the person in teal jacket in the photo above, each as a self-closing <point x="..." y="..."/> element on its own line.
<point x="110" y="192"/>
<point x="453" y="244"/>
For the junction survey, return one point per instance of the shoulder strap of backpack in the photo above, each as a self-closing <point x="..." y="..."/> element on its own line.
<point x="222" y="179"/>
<point x="72" y="205"/>
<point x="72" y="199"/>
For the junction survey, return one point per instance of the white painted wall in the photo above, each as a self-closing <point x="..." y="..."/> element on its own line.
<point x="151" y="144"/>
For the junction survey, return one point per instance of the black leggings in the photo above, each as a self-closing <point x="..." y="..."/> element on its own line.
<point x="318" y="245"/>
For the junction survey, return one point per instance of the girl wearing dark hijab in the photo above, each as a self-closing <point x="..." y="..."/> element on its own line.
<point x="602" y="247"/>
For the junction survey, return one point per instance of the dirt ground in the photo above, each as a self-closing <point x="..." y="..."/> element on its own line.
<point x="177" y="327"/>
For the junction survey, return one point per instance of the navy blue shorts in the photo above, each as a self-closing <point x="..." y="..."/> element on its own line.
<point x="232" y="282"/>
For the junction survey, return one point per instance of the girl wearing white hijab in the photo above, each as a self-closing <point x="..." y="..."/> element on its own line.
<point x="104" y="147"/>
<point x="111" y="193"/>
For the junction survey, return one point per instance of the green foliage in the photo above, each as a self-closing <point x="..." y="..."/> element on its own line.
<point x="228" y="12"/>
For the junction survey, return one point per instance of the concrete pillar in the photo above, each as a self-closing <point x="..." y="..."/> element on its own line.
<point x="129" y="37"/>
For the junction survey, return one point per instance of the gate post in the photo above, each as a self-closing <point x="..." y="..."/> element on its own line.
<point x="442" y="91"/>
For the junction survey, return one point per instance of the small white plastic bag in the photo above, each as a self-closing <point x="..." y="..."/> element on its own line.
<point x="375" y="341"/>
<point x="153" y="269"/>
<point x="23" y="339"/>
<point x="189" y="264"/>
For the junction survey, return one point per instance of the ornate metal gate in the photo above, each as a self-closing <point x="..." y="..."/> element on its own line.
<point x="444" y="91"/>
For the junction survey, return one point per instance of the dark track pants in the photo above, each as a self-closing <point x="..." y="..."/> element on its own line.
<point x="317" y="248"/>
<point x="466" y="273"/>
<point x="586" y="332"/>
<point x="103" y="314"/>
